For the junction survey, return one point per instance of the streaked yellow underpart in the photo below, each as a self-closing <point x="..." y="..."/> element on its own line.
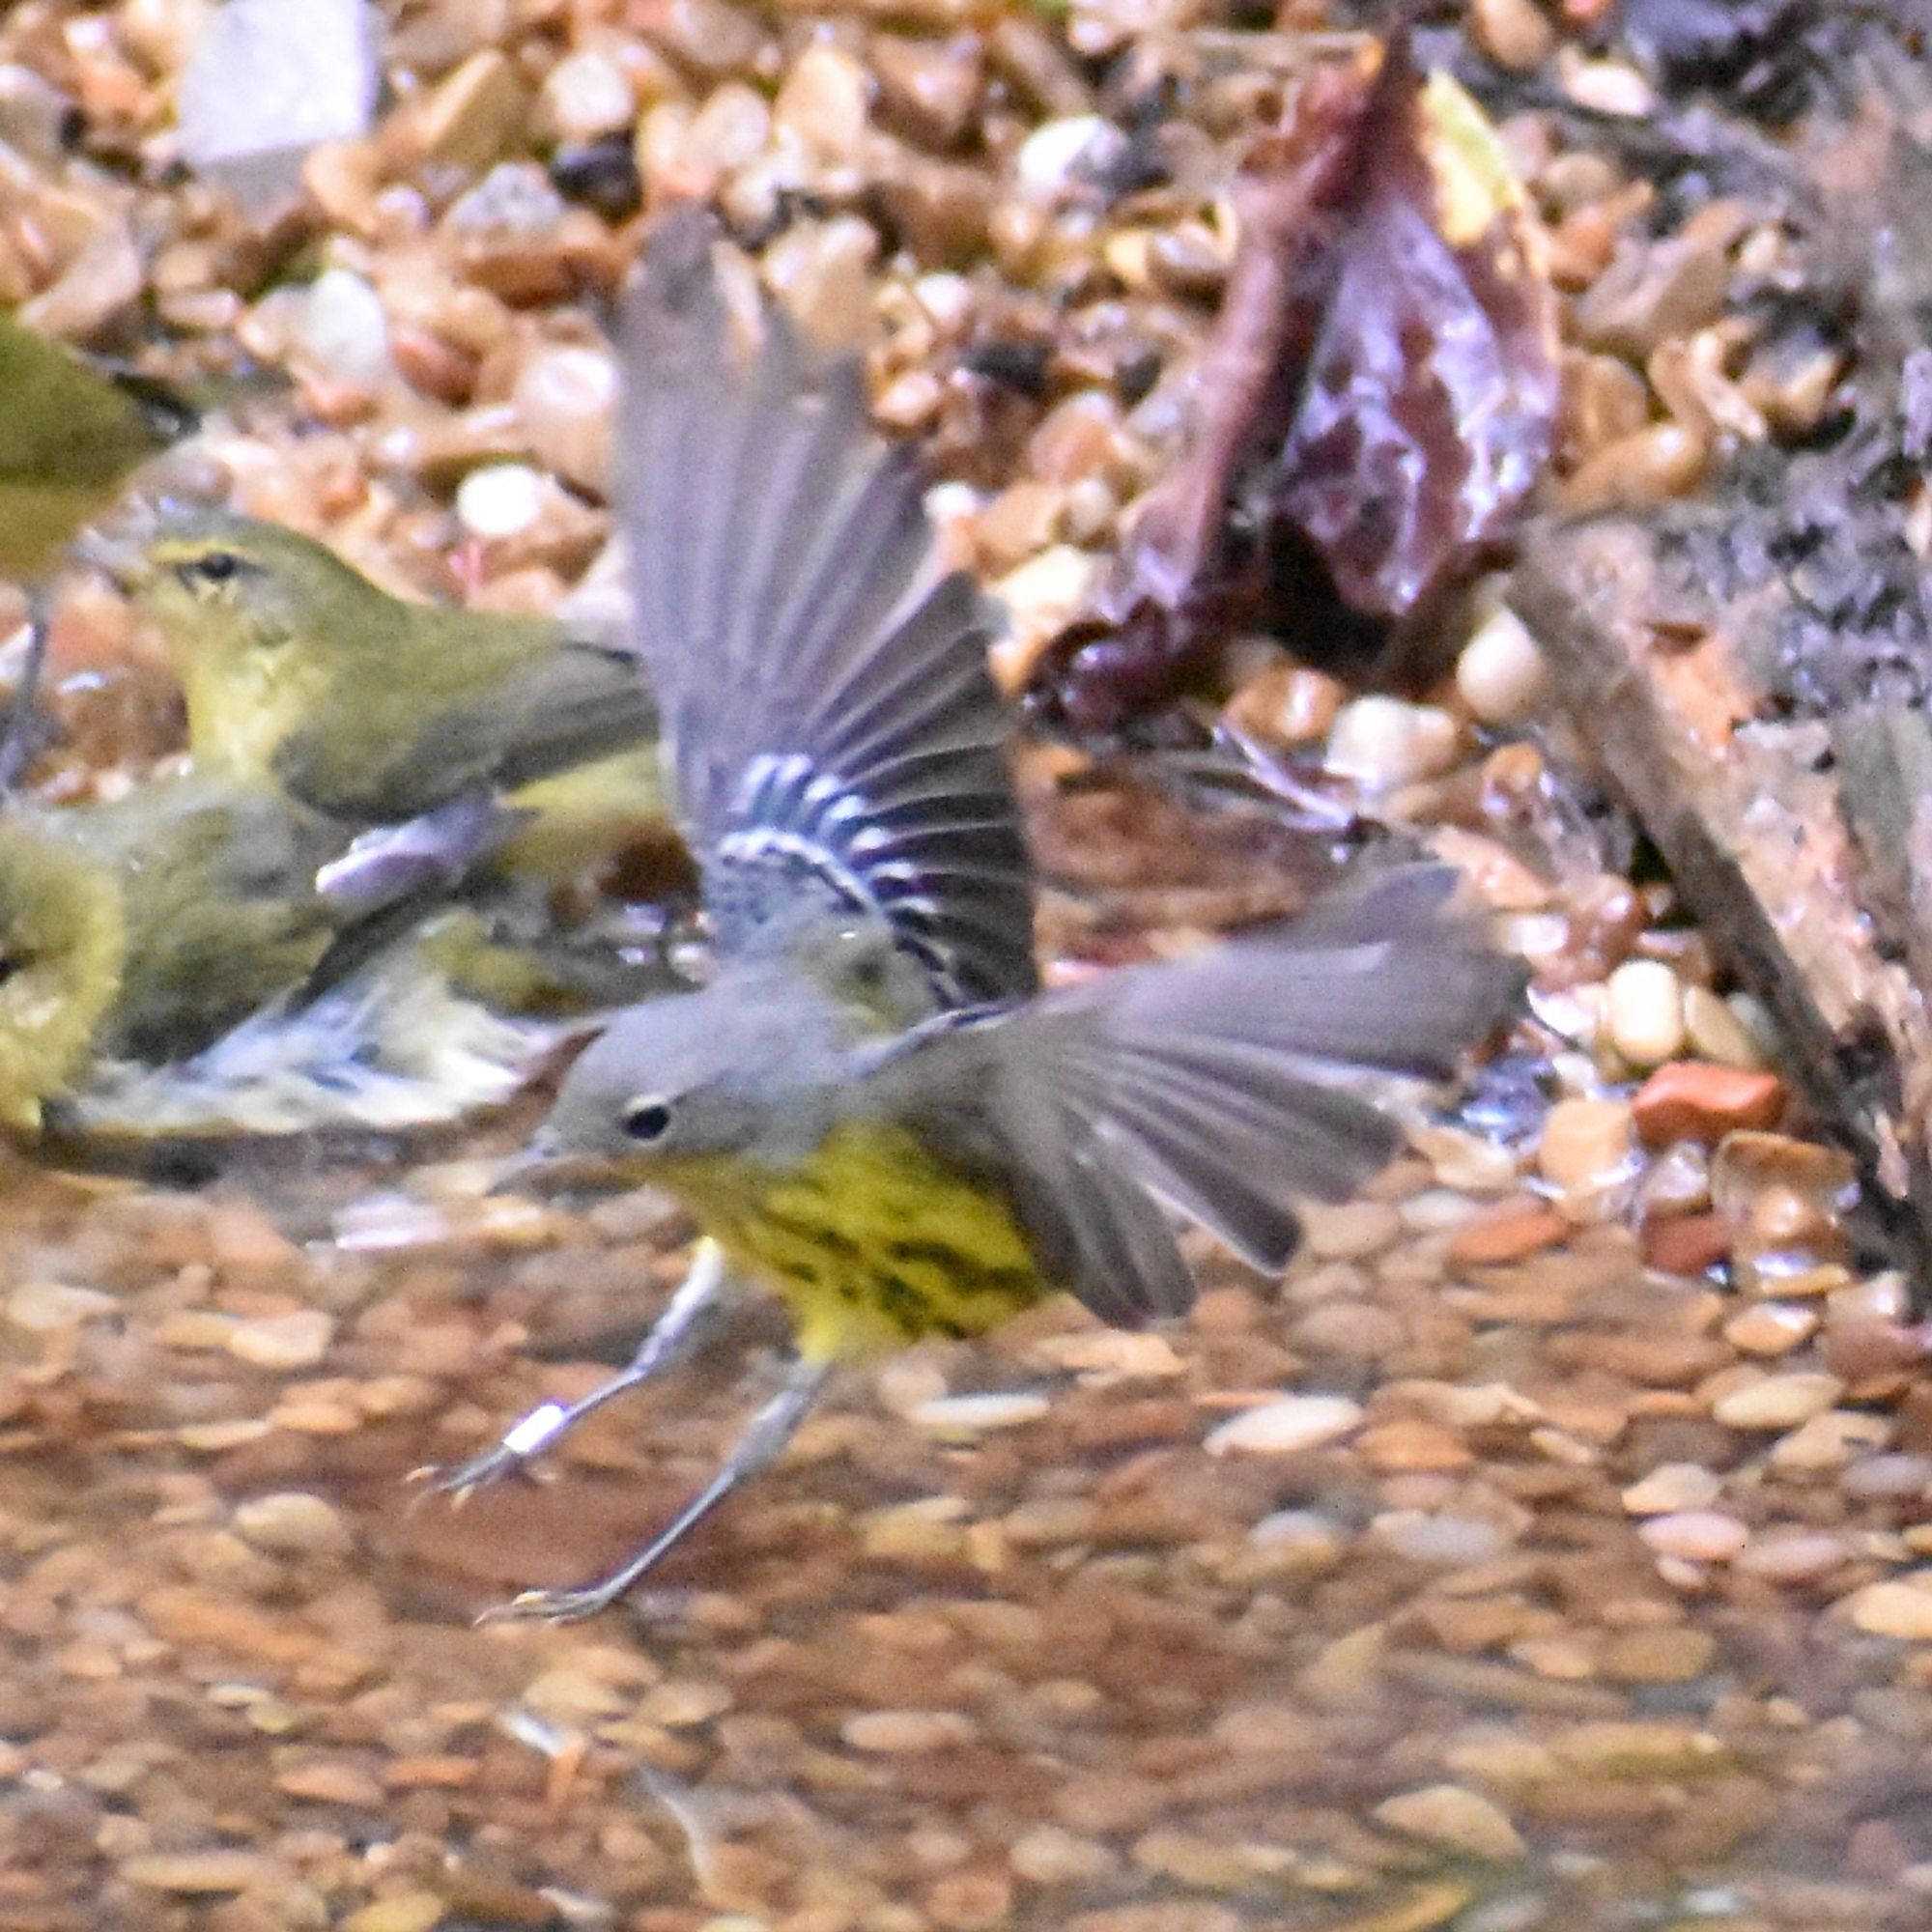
<point x="871" y="1242"/>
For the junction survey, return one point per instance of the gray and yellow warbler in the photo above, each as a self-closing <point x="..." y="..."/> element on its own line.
<point x="872" y="1108"/>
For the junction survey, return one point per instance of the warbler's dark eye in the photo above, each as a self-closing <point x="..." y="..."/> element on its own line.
<point x="216" y="568"/>
<point x="646" y="1118"/>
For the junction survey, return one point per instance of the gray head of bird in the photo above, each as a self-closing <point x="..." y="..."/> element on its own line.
<point x="749" y="1068"/>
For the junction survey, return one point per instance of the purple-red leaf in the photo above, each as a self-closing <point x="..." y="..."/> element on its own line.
<point x="1379" y="390"/>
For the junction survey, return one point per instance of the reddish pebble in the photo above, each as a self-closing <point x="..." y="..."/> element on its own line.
<point x="1506" y="1233"/>
<point x="1691" y="1099"/>
<point x="1687" y="1244"/>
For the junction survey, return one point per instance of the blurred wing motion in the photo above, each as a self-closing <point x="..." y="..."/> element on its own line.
<point x="70" y="436"/>
<point x="395" y="1049"/>
<point x="1221" y="1083"/>
<point x="835" y="737"/>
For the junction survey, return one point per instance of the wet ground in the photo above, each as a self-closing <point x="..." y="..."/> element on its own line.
<point x="1552" y="1548"/>
<point x="1481" y="1574"/>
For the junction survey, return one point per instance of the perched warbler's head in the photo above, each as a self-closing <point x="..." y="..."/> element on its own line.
<point x="62" y="947"/>
<point x="218" y="585"/>
<point x="745" y="1067"/>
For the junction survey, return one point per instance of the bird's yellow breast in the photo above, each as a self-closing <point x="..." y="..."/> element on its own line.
<point x="871" y="1242"/>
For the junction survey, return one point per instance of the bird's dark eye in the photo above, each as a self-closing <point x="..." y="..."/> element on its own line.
<point x="646" y="1118"/>
<point x="211" y="570"/>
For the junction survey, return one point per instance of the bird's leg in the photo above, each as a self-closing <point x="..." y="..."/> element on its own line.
<point x="760" y="1446"/>
<point x="672" y="1337"/>
<point x="16" y="735"/>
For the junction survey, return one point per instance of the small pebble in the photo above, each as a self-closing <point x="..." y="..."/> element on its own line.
<point x="1514" y="34"/>
<point x="1455" y="1817"/>
<point x="1900" y="1608"/>
<point x="908" y="1733"/>
<point x="564" y="398"/>
<point x="42" y="1307"/>
<point x="1286" y="1427"/>
<point x="1777" y="1402"/>
<point x="1772" y="1328"/>
<point x="1794" y="1556"/>
<point x="399" y="1911"/>
<point x="586" y="96"/>
<point x="1645" y="1011"/>
<point x="1697" y="1536"/>
<point x="295" y="1341"/>
<point x="1500" y="673"/>
<point x="959" y="1418"/>
<point x="294" y="1524"/>
<point x="1063" y="159"/>
<point x="823" y="104"/>
<point x="1716" y="1031"/>
<point x="343" y="331"/>
<point x="501" y="499"/>
<point x="1049" y="1855"/>
<point x="1673" y="1653"/>
<point x="1694" y="1099"/>
<point x="1672" y="1487"/>
<point x="1381" y="742"/>
<point x="193" y="1873"/>
<point x="1350" y="1231"/>
<point x="1585" y="1143"/>
<point x="1423" y="1537"/>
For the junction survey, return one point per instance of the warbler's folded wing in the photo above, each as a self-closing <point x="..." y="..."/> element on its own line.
<point x="836" y="738"/>
<point x="554" y="710"/>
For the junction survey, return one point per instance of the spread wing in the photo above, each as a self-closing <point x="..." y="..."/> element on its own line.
<point x="837" y="743"/>
<point x="1226" y="1084"/>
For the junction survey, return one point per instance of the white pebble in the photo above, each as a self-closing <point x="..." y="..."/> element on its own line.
<point x="1287" y="1427"/>
<point x="896" y="1733"/>
<point x="294" y="1341"/>
<point x="294" y="1524"/>
<point x="1645" y="1007"/>
<point x="501" y="499"/>
<point x="1902" y="1608"/>
<point x="1383" y="742"/>
<point x="586" y="95"/>
<point x="1500" y="673"/>
<point x="1424" y="1537"/>
<point x="43" y="1306"/>
<point x="564" y="397"/>
<point x="1064" y="157"/>
<point x="1673" y="1485"/>
<point x="958" y="1418"/>
<point x="343" y="331"/>
<point x="1778" y="1402"/>
<point x="1697" y="1536"/>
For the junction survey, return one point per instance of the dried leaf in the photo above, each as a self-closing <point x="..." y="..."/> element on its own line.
<point x="1379" y="390"/>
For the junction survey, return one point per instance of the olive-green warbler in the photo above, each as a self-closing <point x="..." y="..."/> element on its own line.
<point x="69" y="438"/>
<point x="149" y="948"/>
<point x="302" y="673"/>
<point x="870" y="1109"/>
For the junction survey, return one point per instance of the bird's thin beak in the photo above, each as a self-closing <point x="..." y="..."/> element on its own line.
<point x="121" y="557"/>
<point x="543" y="1167"/>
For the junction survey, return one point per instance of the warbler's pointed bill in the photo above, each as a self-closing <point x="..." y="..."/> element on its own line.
<point x="837" y="745"/>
